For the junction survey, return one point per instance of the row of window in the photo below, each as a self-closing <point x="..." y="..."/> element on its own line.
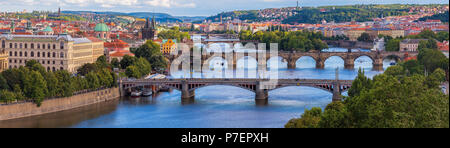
<point x="39" y="46"/>
<point x="48" y="68"/>
<point x="43" y="61"/>
<point x="25" y="54"/>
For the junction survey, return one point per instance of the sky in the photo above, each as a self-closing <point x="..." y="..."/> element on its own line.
<point x="183" y="7"/>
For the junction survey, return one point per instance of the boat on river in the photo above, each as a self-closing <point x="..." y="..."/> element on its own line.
<point x="136" y="93"/>
<point x="147" y="93"/>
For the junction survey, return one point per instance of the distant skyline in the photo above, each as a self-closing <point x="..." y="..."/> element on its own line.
<point x="183" y="7"/>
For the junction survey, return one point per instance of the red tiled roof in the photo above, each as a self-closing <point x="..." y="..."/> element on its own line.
<point x="93" y="39"/>
<point x="116" y="44"/>
<point x="121" y="53"/>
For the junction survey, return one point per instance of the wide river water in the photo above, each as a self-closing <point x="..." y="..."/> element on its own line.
<point x="214" y="107"/>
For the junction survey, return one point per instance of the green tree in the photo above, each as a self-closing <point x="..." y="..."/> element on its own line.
<point x="127" y="61"/>
<point x="36" y="87"/>
<point x="115" y="63"/>
<point x="93" y="81"/>
<point x="102" y="62"/>
<point x="7" y="96"/>
<point x="133" y="72"/>
<point x="432" y="59"/>
<point x="365" y="37"/>
<point x="359" y="84"/>
<point x="86" y="68"/>
<point x="64" y="83"/>
<point x="3" y="83"/>
<point x="393" y="45"/>
<point x="309" y="119"/>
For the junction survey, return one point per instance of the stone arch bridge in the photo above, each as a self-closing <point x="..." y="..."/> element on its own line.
<point x="292" y="57"/>
<point x="260" y="87"/>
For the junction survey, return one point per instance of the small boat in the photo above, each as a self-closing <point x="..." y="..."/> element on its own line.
<point x="147" y="93"/>
<point x="136" y="94"/>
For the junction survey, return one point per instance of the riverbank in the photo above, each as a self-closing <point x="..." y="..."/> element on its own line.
<point x="27" y="109"/>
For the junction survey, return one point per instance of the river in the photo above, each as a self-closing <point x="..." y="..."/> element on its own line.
<point x="214" y="107"/>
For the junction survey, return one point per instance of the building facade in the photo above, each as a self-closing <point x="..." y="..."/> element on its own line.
<point x="410" y="45"/>
<point x="54" y="52"/>
<point x="168" y="46"/>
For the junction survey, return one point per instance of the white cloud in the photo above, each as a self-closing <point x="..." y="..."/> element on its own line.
<point x="169" y="3"/>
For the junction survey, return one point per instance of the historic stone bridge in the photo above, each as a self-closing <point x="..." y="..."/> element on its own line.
<point x="260" y="87"/>
<point x="292" y="57"/>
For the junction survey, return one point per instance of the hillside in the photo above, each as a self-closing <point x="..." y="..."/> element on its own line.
<point x="441" y="16"/>
<point x="160" y="17"/>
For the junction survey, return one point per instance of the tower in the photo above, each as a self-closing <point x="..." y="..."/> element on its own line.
<point x="149" y="30"/>
<point x="13" y="27"/>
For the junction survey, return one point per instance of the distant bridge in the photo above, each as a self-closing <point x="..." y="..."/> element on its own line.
<point x="259" y="86"/>
<point x="292" y="57"/>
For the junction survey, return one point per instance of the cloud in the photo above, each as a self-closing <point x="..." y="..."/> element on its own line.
<point x="169" y="3"/>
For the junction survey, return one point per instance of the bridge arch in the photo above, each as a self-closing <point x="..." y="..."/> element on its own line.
<point x="306" y="62"/>
<point x="334" y="62"/>
<point x="247" y="62"/>
<point x="277" y="62"/>
<point x="249" y="87"/>
<point x="364" y="62"/>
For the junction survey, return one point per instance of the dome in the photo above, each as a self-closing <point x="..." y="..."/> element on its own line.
<point x="101" y="27"/>
<point x="48" y="29"/>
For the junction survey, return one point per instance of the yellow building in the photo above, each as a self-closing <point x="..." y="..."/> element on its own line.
<point x="354" y="34"/>
<point x="3" y="60"/>
<point x="54" y="52"/>
<point x="168" y="46"/>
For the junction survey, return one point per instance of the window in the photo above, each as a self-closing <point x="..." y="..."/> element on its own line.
<point x="48" y="68"/>
<point x="10" y="45"/>
<point x="62" y="62"/>
<point x="15" y="53"/>
<point x="53" y="69"/>
<point x="26" y="45"/>
<point x="20" y="53"/>
<point x="54" y="62"/>
<point x="61" y="68"/>
<point x="62" y="45"/>
<point x="38" y="54"/>
<point x="43" y="46"/>
<point x="20" y="45"/>
<point x="38" y="46"/>
<point x="3" y="44"/>
<point x="10" y="54"/>
<point x="48" y="46"/>
<point x="48" y="54"/>
<point x="26" y="54"/>
<point x="61" y="55"/>
<point x="32" y="54"/>
<point x="32" y="45"/>
<point x="43" y="54"/>
<point x="54" y="54"/>
<point x="54" y="46"/>
<point x="15" y="45"/>
<point x="48" y="62"/>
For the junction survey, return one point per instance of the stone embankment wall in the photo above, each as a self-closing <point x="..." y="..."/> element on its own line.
<point x="20" y="110"/>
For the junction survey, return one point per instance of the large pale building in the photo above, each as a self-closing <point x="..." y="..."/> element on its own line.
<point x="54" y="52"/>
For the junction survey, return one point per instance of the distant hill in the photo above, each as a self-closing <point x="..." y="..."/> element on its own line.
<point x="314" y="15"/>
<point x="441" y="16"/>
<point x="160" y="17"/>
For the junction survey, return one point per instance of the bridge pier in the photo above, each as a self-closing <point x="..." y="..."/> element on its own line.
<point x="320" y="64"/>
<point x="187" y="96"/>
<point x="378" y="64"/>
<point x="261" y="95"/>
<point x="336" y="92"/>
<point x="349" y="63"/>
<point x="292" y="64"/>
